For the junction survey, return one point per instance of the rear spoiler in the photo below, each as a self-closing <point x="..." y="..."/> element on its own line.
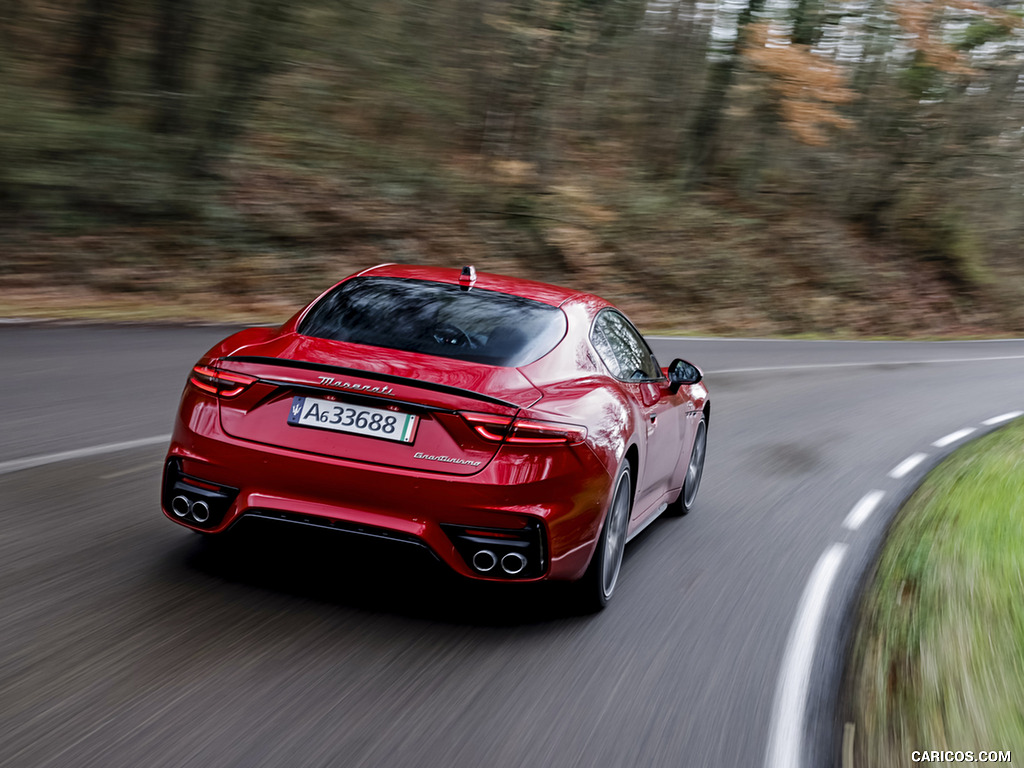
<point x="386" y="377"/>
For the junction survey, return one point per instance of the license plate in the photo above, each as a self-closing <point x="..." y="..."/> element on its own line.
<point x="354" y="419"/>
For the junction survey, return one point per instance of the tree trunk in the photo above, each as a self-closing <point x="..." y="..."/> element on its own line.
<point x="96" y="45"/>
<point x="173" y="43"/>
<point x="246" y="60"/>
<point x="705" y="132"/>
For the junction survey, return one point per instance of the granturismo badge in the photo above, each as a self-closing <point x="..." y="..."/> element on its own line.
<point x="447" y="459"/>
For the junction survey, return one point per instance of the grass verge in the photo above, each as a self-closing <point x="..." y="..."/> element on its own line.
<point x="938" y="660"/>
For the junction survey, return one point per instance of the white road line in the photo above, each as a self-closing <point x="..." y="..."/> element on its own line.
<point x="904" y="467"/>
<point x="149" y="465"/>
<point x="1000" y="419"/>
<point x="866" y="364"/>
<point x="862" y="510"/>
<point x="817" y="366"/>
<point x="952" y="437"/>
<point x="786" y="734"/>
<point x="831" y="341"/>
<point x="16" y="465"/>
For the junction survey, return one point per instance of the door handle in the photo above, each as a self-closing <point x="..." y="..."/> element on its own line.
<point x="654" y="418"/>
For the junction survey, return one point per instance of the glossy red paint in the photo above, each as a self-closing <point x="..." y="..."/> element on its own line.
<point x="524" y="452"/>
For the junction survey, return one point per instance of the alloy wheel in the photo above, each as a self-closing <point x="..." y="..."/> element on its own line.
<point x="615" y="536"/>
<point x="695" y="468"/>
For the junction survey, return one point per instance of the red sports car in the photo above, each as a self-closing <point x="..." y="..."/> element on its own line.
<point x="517" y="431"/>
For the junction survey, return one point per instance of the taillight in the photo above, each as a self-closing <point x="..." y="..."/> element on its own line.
<point x="221" y="383"/>
<point x="527" y="432"/>
<point x="497" y="429"/>
<point x="490" y="427"/>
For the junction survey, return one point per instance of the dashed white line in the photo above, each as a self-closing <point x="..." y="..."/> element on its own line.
<point x="862" y="510"/>
<point x="786" y="735"/>
<point x="907" y="465"/>
<point x="952" y="437"/>
<point x="15" y="465"/>
<point x="1000" y="419"/>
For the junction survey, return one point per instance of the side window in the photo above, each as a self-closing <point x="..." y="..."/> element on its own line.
<point x="605" y="349"/>
<point x="623" y="349"/>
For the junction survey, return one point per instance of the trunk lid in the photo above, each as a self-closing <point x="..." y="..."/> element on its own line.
<point x="367" y="404"/>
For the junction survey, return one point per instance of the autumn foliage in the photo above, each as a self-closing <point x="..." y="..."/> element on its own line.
<point x="809" y="88"/>
<point x="764" y="167"/>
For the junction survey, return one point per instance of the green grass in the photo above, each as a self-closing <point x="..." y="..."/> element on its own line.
<point x="938" y="660"/>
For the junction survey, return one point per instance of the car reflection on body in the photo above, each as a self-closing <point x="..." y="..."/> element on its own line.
<point x="517" y="431"/>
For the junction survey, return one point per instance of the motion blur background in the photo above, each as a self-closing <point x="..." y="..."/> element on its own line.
<point x="771" y="166"/>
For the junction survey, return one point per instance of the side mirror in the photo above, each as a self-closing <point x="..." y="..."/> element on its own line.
<point x="682" y="372"/>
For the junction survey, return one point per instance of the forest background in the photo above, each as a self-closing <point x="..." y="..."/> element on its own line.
<point x="835" y="167"/>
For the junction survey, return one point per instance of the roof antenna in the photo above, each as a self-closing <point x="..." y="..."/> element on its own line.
<point x="468" y="277"/>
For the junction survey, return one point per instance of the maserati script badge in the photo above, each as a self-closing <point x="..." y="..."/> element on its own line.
<point x="329" y="381"/>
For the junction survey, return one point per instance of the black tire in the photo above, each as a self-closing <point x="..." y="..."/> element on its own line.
<point x="694" y="471"/>
<point x="596" y="587"/>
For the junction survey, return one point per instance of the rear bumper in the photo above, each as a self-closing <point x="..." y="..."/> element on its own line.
<point x="560" y="495"/>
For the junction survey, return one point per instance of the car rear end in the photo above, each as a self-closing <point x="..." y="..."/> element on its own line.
<point x="437" y="441"/>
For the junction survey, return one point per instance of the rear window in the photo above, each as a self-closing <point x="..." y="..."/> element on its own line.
<point x="437" y="319"/>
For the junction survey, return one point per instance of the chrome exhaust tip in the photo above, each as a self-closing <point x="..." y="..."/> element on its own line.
<point x="180" y="506"/>
<point x="513" y="563"/>
<point x="484" y="560"/>
<point x="201" y="511"/>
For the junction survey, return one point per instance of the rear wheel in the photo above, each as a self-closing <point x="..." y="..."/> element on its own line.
<point x="598" y="583"/>
<point x="694" y="471"/>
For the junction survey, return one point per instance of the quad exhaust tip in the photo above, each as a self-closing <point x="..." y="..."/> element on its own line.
<point x="513" y="563"/>
<point x="201" y="511"/>
<point x="183" y="506"/>
<point x="485" y="560"/>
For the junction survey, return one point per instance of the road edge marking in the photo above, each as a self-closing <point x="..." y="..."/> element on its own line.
<point x="952" y="437"/>
<point x="1000" y="419"/>
<point x="31" y="462"/>
<point x="789" y="713"/>
<point x="906" y="466"/>
<point x="862" y="510"/>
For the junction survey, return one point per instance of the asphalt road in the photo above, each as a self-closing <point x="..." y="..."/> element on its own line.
<point x="127" y="641"/>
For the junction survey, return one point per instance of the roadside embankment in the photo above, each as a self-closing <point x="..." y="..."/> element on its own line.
<point x="938" y="658"/>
